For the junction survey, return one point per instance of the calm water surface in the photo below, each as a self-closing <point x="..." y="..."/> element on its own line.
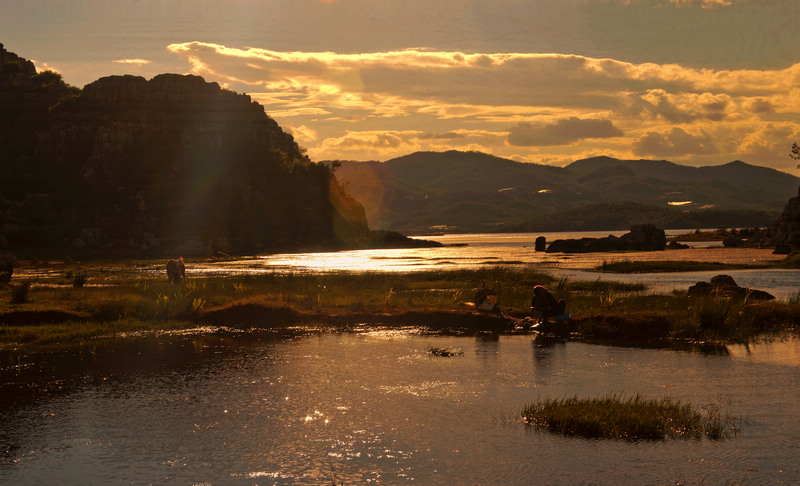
<point x="217" y="407"/>
<point x="517" y="250"/>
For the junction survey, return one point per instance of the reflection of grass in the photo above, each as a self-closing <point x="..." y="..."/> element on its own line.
<point x="445" y="352"/>
<point x="628" y="266"/>
<point x="52" y="333"/>
<point x="627" y="418"/>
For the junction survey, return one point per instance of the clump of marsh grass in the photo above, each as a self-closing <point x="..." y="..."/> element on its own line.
<point x="197" y="304"/>
<point x="79" y="279"/>
<point x="607" y="299"/>
<point x="633" y="418"/>
<point x="711" y="314"/>
<point x="727" y="319"/>
<point x="664" y="266"/>
<point x="389" y="294"/>
<point x="599" y="286"/>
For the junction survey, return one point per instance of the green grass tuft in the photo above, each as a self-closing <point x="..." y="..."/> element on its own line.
<point x="633" y="418"/>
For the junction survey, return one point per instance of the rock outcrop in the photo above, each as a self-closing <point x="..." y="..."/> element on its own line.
<point x="642" y="237"/>
<point x="784" y="233"/>
<point x="129" y="165"/>
<point x="724" y="285"/>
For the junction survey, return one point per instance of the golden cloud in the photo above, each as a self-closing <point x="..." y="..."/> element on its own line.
<point x="137" y="62"/>
<point x="419" y="99"/>
<point x="562" y="132"/>
<point x="676" y="142"/>
<point x="703" y="3"/>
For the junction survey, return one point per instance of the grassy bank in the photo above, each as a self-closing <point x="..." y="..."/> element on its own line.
<point x="76" y="305"/>
<point x="666" y="266"/>
<point x="45" y="309"/>
<point x="630" y="418"/>
<point x="716" y="235"/>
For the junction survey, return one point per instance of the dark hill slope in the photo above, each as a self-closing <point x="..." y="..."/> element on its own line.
<point x="168" y="165"/>
<point x="471" y="171"/>
<point x="736" y="172"/>
<point x="470" y="191"/>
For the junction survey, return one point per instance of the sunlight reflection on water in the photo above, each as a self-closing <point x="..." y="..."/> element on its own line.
<point x="258" y="408"/>
<point x="516" y="251"/>
<point x="495" y="250"/>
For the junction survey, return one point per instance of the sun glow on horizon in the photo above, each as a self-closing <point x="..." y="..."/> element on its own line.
<point x="526" y="80"/>
<point x="384" y="104"/>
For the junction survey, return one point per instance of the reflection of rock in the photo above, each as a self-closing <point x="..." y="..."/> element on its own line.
<point x="725" y="285"/>
<point x="674" y="245"/>
<point x="733" y="242"/>
<point x="642" y="237"/>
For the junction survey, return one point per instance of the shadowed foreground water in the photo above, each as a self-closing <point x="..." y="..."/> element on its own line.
<point x="218" y="407"/>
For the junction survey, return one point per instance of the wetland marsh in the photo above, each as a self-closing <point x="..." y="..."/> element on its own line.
<point x="302" y="377"/>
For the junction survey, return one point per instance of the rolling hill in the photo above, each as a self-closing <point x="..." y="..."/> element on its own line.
<point x="456" y="191"/>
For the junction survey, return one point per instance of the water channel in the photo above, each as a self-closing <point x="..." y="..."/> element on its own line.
<point x="213" y="406"/>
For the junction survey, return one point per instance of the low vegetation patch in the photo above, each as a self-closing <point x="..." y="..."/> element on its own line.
<point x="665" y="266"/>
<point x="792" y="260"/>
<point x="602" y="310"/>
<point x="716" y="235"/>
<point x="633" y="418"/>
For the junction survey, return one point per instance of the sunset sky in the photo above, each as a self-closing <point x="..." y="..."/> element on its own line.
<point x="698" y="82"/>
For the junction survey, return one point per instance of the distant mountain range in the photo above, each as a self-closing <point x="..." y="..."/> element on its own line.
<point x="455" y="191"/>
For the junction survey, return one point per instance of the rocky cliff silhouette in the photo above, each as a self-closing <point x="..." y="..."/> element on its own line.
<point x="784" y="232"/>
<point x="166" y="165"/>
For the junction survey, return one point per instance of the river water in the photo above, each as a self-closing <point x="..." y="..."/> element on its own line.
<point x="220" y="406"/>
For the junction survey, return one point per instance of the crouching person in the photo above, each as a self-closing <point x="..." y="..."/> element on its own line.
<point x="544" y="305"/>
